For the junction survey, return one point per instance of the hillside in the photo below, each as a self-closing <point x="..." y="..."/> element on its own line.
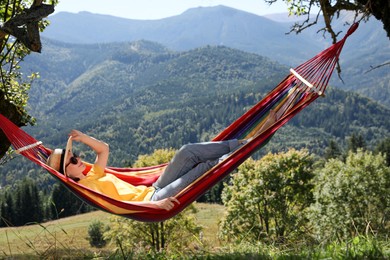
<point x="141" y="83"/>
<point x="194" y="28"/>
<point x="266" y="36"/>
<point x="140" y="96"/>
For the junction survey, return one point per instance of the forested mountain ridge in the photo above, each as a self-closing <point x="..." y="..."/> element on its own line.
<point x="141" y="96"/>
<point x="194" y="28"/>
<point x="221" y="25"/>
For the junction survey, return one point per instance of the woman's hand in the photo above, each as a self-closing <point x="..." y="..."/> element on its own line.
<point x="76" y="135"/>
<point x="167" y="203"/>
<point x="101" y="148"/>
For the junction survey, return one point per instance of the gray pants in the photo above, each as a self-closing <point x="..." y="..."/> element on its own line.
<point x="188" y="164"/>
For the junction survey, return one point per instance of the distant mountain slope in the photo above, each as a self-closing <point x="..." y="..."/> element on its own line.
<point x="194" y="28"/>
<point x="142" y="88"/>
<point x="140" y="96"/>
<point x="107" y="72"/>
<point x="225" y="26"/>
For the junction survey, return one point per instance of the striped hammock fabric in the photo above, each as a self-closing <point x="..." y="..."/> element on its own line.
<point x="302" y="86"/>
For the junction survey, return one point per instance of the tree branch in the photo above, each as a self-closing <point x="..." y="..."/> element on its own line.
<point x="378" y="66"/>
<point x="25" y="26"/>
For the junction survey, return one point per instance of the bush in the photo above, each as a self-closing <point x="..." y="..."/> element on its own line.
<point x="174" y="235"/>
<point x="267" y="199"/>
<point x="352" y="197"/>
<point x="95" y="232"/>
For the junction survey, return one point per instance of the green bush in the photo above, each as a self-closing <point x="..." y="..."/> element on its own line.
<point x="352" y="197"/>
<point x="267" y="199"/>
<point x="95" y="232"/>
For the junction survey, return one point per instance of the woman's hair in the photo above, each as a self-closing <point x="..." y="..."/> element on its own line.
<point x="75" y="179"/>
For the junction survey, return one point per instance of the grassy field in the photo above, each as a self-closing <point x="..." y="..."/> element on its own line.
<point x="68" y="236"/>
<point x="67" y="239"/>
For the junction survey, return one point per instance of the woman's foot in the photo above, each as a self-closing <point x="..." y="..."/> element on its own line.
<point x="242" y="141"/>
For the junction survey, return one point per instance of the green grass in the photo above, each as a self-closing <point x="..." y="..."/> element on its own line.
<point x="68" y="236"/>
<point x="67" y="239"/>
<point x="208" y="217"/>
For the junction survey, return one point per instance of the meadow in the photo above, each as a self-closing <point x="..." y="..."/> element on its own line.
<point x="67" y="238"/>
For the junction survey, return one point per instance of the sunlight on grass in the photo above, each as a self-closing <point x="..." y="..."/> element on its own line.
<point x="67" y="233"/>
<point x="208" y="217"/>
<point x="68" y="236"/>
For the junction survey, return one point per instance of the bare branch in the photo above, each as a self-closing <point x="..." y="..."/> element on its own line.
<point x="378" y="66"/>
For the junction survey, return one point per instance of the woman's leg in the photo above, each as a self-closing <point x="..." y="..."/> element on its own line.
<point x="179" y="184"/>
<point x="191" y="155"/>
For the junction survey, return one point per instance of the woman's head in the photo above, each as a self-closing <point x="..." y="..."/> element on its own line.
<point x="74" y="167"/>
<point x="66" y="162"/>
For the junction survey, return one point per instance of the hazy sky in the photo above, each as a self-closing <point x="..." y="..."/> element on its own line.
<point x="156" y="9"/>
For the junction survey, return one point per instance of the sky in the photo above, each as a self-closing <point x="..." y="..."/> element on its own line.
<point x="157" y="9"/>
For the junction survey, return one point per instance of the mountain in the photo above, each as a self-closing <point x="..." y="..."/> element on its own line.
<point x="113" y="83"/>
<point x="141" y="96"/>
<point x="195" y="28"/>
<point x="366" y="48"/>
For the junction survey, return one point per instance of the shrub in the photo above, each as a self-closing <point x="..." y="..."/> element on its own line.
<point x="267" y="199"/>
<point x="95" y="232"/>
<point x="352" y="197"/>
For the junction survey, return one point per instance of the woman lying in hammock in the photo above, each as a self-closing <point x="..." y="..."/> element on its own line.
<point x="189" y="163"/>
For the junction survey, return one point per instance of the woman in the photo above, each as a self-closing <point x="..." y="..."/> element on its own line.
<point x="188" y="164"/>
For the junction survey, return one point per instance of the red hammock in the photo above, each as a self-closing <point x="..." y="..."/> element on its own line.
<point x="301" y="87"/>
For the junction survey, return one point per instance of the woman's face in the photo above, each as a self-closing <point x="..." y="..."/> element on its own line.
<point x="74" y="167"/>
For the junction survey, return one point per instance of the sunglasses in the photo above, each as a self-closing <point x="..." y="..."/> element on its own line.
<point x="73" y="160"/>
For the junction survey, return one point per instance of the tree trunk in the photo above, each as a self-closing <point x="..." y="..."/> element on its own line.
<point x="11" y="112"/>
<point x="381" y="10"/>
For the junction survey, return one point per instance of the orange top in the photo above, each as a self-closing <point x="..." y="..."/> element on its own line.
<point x="110" y="185"/>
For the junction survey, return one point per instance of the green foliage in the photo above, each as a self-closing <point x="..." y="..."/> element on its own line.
<point x="14" y="86"/>
<point x="7" y="210"/>
<point x="352" y="197"/>
<point x="333" y="151"/>
<point x="267" y="198"/>
<point x="95" y="232"/>
<point x="359" y="247"/>
<point x="356" y="142"/>
<point x="22" y="206"/>
<point x="159" y="156"/>
<point x="384" y="148"/>
<point x="173" y="235"/>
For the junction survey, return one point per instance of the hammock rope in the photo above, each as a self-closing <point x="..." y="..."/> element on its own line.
<point x="302" y="86"/>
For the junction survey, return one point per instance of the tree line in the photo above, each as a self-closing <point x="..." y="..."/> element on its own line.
<point x="25" y="204"/>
